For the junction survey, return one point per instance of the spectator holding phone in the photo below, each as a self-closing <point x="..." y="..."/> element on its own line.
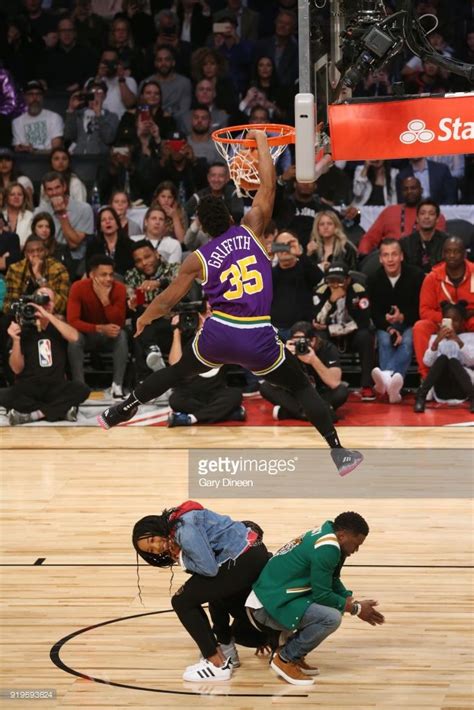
<point x="89" y="125"/>
<point x="147" y="119"/>
<point x="180" y="165"/>
<point x="294" y="279"/>
<point x="450" y="357"/>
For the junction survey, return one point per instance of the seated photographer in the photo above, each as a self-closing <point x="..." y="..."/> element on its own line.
<point x="150" y="275"/>
<point x="342" y="316"/>
<point x="450" y="357"/>
<point x="321" y="362"/>
<point x="88" y="125"/>
<point x="394" y="291"/>
<point x="97" y="308"/>
<point x="38" y="359"/>
<point x="294" y="278"/>
<point x="36" y="270"/>
<point x="203" y="399"/>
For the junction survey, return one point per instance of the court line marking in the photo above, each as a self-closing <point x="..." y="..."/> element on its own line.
<point x="54" y="655"/>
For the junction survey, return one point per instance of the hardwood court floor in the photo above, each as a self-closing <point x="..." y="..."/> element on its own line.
<point x="70" y="496"/>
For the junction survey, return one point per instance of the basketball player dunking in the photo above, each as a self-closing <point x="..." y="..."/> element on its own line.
<point x="236" y="276"/>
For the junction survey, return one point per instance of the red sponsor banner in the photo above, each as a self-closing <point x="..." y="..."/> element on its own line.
<point x="413" y="128"/>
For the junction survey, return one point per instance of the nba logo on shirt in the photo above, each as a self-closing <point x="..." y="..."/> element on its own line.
<point x="44" y="353"/>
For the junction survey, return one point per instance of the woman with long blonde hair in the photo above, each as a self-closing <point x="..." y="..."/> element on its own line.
<point x="17" y="211"/>
<point x="328" y="242"/>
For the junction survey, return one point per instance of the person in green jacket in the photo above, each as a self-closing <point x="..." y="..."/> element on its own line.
<point x="300" y="591"/>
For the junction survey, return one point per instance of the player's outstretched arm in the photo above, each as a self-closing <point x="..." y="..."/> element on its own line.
<point x="261" y="212"/>
<point x="164" y="302"/>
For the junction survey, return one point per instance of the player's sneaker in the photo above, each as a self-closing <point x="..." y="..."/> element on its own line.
<point x="290" y="671"/>
<point x="367" y="394"/>
<point x="208" y="672"/>
<point x="346" y="460"/>
<point x="230" y="652"/>
<point x="118" y="414"/>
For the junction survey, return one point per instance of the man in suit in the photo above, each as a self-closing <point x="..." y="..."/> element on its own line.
<point x="435" y="179"/>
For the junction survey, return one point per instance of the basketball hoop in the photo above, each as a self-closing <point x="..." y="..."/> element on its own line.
<point x="241" y="155"/>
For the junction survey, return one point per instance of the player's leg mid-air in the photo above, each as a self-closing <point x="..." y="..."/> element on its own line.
<point x="236" y="275"/>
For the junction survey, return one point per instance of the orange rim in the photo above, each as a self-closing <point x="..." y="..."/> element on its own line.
<point x="286" y="134"/>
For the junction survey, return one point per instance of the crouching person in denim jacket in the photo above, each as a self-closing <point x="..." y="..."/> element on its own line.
<point x="224" y="558"/>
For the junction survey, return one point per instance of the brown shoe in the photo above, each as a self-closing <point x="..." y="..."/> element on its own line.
<point x="291" y="672"/>
<point x="306" y="668"/>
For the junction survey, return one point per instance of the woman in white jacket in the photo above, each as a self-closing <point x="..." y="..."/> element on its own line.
<point x="450" y="357"/>
<point x="17" y="211"/>
<point x="374" y="184"/>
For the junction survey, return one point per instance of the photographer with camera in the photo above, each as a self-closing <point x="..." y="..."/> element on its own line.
<point x="204" y="398"/>
<point x="394" y="291"/>
<point x="36" y="270"/>
<point x="321" y="362"/>
<point x="38" y="359"/>
<point x="294" y="278"/>
<point x="149" y="277"/>
<point x="342" y="316"/>
<point x="121" y="89"/>
<point x="89" y="125"/>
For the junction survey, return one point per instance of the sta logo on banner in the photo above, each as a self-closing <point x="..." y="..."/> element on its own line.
<point x="402" y="129"/>
<point x="448" y="129"/>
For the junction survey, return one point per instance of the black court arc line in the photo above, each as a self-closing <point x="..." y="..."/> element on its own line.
<point x="56" y="659"/>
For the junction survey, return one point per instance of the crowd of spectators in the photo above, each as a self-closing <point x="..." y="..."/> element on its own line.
<point x="115" y="101"/>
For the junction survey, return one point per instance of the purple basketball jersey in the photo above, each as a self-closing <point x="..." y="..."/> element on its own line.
<point x="237" y="275"/>
<point x="238" y="283"/>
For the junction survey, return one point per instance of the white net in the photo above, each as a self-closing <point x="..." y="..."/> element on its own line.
<point x="242" y="160"/>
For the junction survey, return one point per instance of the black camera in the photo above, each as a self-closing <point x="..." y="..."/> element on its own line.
<point x="111" y="64"/>
<point x="302" y="346"/>
<point x="188" y="313"/>
<point x="24" y="312"/>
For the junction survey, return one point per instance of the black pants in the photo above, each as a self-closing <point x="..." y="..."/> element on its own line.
<point x="449" y="379"/>
<point x="288" y="375"/>
<point x="286" y="400"/>
<point x="234" y="577"/>
<point x="157" y="333"/>
<point x="52" y="398"/>
<point x="214" y="406"/>
<point x="362" y="342"/>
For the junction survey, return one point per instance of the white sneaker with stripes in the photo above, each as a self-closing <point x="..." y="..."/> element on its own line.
<point x="208" y="672"/>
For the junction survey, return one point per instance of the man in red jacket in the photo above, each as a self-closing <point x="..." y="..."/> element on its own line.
<point x="97" y="308"/>
<point x="397" y="221"/>
<point x="452" y="280"/>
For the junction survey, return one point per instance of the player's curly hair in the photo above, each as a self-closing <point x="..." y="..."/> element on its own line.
<point x="214" y="216"/>
<point x="351" y="522"/>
